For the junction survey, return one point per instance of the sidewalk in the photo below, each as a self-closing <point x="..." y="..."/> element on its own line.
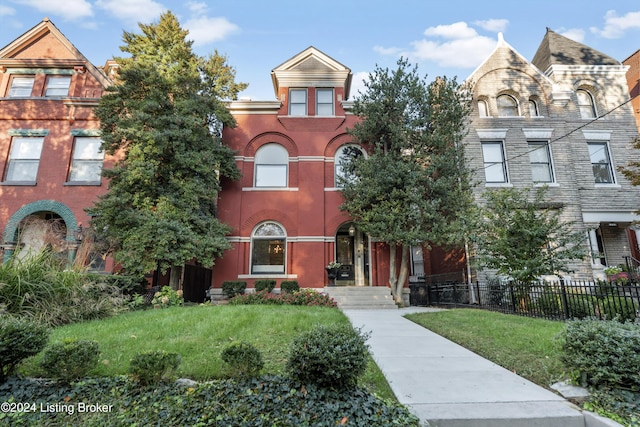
<point x="450" y="386"/>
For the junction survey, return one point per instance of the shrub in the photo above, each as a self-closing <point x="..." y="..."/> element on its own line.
<point x="550" y="304"/>
<point x="19" y="339"/>
<point x="70" y="359"/>
<point x="618" y="308"/>
<point x="154" y="367"/>
<point x="243" y="359"/>
<point x="329" y="356"/>
<point x="264" y="285"/>
<point x="289" y="286"/>
<point x="580" y="306"/>
<point x="167" y="297"/>
<point x="603" y="352"/>
<point x="307" y="297"/>
<point x="232" y="288"/>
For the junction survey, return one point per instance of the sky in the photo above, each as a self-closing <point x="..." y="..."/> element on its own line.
<point x="449" y="38"/>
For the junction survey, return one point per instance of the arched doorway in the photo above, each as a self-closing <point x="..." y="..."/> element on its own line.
<point x="352" y="251"/>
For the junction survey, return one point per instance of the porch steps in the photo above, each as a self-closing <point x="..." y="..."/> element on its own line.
<point x="361" y="297"/>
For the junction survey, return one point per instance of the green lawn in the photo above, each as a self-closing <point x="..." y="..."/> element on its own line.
<point x="526" y="346"/>
<point x="199" y="333"/>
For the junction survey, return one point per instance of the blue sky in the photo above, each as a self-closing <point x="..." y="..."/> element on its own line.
<point x="444" y="38"/>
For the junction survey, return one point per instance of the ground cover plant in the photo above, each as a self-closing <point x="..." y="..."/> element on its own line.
<point x="200" y="334"/>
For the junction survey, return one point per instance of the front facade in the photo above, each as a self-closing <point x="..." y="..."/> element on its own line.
<point x="284" y="212"/>
<point x="562" y="120"/>
<point x="633" y="81"/>
<point x="49" y="140"/>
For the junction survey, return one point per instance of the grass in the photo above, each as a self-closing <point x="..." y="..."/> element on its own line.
<point x="526" y="346"/>
<point x="199" y="333"/>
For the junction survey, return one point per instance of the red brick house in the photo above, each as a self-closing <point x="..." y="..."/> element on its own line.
<point x="49" y="137"/>
<point x="284" y="212"/>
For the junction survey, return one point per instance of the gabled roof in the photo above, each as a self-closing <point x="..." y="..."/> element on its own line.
<point x="311" y="68"/>
<point x="25" y="51"/>
<point x="556" y="49"/>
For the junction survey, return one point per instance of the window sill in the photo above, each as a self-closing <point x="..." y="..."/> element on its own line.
<point x="82" y="183"/>
<point x="19" y="183"/>
<point x="267" y="276"/>
<point x="269" y="188"/>
<point x="498" y="184"/>
<point x="612" y="185"/>
<point x="546" y="184"/>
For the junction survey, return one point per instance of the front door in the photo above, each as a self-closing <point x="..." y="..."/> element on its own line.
<point x="352" y="251"/>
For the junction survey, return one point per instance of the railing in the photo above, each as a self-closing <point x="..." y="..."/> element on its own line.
<point x="550" y="300"/>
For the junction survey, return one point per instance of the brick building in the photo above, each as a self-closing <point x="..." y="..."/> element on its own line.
<point x="633" y="81"/>
<point x="562" y="121"/>
<point x="49" y="139"/>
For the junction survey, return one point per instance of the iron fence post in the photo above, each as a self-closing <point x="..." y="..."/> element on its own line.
<point x="563" y="297"/>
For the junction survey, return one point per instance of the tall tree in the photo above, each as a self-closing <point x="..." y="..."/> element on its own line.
<point x="164" y="115"/>
<point x="413" y="187"/>
<point x="524" y="237"/>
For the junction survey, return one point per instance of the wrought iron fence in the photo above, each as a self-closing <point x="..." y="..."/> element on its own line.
<point x="550" y="300"/>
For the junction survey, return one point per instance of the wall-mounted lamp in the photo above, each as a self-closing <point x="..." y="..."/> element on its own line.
<point x="352" y="230"/>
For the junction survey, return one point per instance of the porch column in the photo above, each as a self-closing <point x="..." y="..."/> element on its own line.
<point x="593" y="244"/>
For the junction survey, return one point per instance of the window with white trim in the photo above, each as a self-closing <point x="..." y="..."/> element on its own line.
<point x="271" y="166"/>
<point x="541" y="165"/>
<point x="533" y="108"/>
<point x="483" y="110"/>
<point x="268" y="249"/>
<point x="601" y="162"/>
<point x="87" y="160"/>
<point x="324" y="102"/>
<point x="297" y="102"/>
<point x="586" y="104"/>
<point x="24" y="159"/>
<point x="344" y="154"/>
<point x="507" y="106"/>
<point x="495" y="166"/>
<point x="21" y="86"/>
<point x="57" y="86"/>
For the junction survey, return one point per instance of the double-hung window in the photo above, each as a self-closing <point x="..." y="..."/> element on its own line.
<point x="586" y="104"/>
<point x="87" y="160"/>
<point x="540" y="158"/>
<point x="57" y="86"/>
<point x="297" y="102"/>
<point x="601" y="162"/>
<point x="495" y="166"/>
<point x="24" y="159"/>
<point x="324" y="102"/>
<point x="271" y="164"/>
<point x="21" y="86"/>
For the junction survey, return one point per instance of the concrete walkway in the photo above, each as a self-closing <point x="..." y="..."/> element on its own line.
<point x="450" y="386"/>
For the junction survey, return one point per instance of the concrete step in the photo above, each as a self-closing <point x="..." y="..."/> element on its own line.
<point x="361" y="297"/>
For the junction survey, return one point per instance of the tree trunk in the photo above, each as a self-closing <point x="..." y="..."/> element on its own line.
<point x="404" y="272"/>
<point x="393" y="278"/>
<point x="175" y="277"/>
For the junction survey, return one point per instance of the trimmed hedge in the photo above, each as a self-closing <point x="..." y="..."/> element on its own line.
<point x="19" y="339"/>
<point x="307" y="297"/>
<point x="289" y="286"/>
<point x="264" y="285"/>
<point x="232" y="288"/>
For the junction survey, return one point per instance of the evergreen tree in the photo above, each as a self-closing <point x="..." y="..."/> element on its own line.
<point x="413" y="187"/>
<point x="164" y="117"/>
<point x="524" y="237"/>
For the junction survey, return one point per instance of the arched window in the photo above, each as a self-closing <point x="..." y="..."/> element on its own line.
<point x="533" y="108"/>
<point x="507" y="106"/>
<point x="268" y="249"/>
<point x="586" y="104"/>
<point x="343" y="155"/>
<point x="271" y="164"/>
<point x="483" y="110"/>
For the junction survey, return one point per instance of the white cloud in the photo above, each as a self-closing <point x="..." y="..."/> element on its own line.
<point x="494" y="25"/>
<point x="576" y="34"/>
<point x="133" y="11"/>
<point x="69" y="10"/>
<point x="458" y="30"/>
<point x="615" y="26"/>
<point x="197" y="7"/>
<point x="205" y="30"/>
<point x="6" y="11"/>
<point x="454" y="45"/>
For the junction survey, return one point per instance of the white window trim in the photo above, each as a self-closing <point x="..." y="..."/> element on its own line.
<point x="306" y="102"/>
<point x="286" y="253"/>
<point x="505" y="165"/>
<point x="333" y="103"/>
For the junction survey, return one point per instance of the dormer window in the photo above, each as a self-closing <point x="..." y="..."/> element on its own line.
<point x="586" y="104"/>
<point x="298" y="102"/>
<point x="324" y="102"/>
<point x="507" y="106"/>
